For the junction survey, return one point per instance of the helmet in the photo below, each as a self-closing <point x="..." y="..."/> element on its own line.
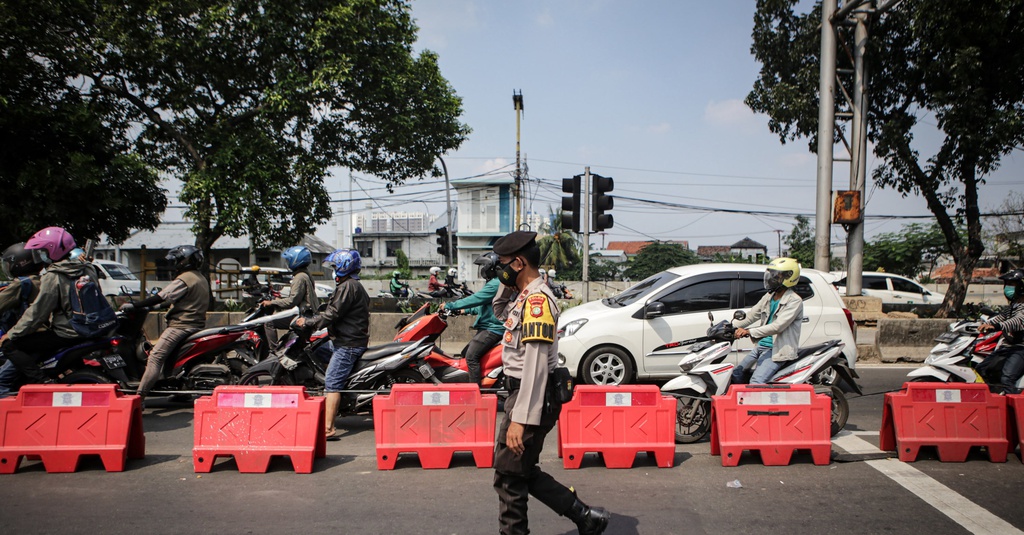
<point x="19" y="262"/>
<point x="185" y="258"/>
<point x="551" y="273"/>
<point x="488" y="263"/>
<point x="453" y="271"/>
<point x="435" y="270"/>
<point x="396" y="274"/>
<point x="50" y="245"/>
<point x="297" y="257"/>
<point x="346" y="262"/>
<point x="1013" y="278"/>
<point x="781" y="272"/>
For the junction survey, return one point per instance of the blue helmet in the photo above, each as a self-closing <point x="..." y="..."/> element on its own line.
<point x="345" y="262"/>
<point x="297" y="257"/>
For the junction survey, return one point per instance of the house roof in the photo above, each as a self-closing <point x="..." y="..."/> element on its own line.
<point x="174" y="233"/>
<point x="631" y="248"/>
<point x="747" y="243"/>
<point x="944" y="274"/>
<point x="712" y="250"/>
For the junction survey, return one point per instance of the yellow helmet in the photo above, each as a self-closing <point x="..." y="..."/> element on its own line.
<point x="781" y="272"/>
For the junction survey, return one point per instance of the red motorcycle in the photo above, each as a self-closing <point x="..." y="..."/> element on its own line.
<point x="423" y="325"/>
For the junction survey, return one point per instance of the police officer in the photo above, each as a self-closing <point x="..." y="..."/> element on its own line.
<point x="529" y="314"/>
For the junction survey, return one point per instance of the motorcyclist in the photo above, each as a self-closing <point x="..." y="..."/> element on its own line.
<point x="26" y="342"/>
<point x="1007" y="362"/>
<point x="189" y="298"/>
<point x="488" y="329"/>
<point x="778" y="315"/>
<point x="302" y="292"/>
<point x="23" y="271"/>
<point x="435" y="287"/>
<point x="398" y="288"/>
<point x="556" y="288"/>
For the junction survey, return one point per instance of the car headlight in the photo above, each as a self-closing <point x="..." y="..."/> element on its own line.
<point x="571" y="327"/>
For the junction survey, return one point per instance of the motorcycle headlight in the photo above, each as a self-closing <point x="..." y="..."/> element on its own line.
<point x="687" y="365"/>
<point x="571" y="327"/>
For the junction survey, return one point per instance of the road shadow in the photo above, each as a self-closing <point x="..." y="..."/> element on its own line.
<point x="93" y="463"/>
<point x="283" y="463"/>
<point x="619" y="525"/>
<point x="642" y="459"/>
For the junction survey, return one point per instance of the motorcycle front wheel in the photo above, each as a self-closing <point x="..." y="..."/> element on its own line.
<point x="840" y="410"/>
<point x="691" y="428"/>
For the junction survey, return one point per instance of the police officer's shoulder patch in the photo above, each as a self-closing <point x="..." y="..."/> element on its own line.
<point x="538" y="321"/>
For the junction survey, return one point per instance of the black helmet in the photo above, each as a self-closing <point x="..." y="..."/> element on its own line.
<point x="185" y="258"/>
<point x="488" y="263"/>
<point x="1013" y="278"/>
<point x="19" y="262"/>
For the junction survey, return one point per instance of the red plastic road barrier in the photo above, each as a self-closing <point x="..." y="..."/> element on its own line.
<point x="618" y="422"/>
<point x="775" y="420"/>
<point x="1016" y="408"/>
<point x="434" y="422"/>
<point x="954" y="417"/>
<point x="255" y="423"/>
<point x="60" y="423"/>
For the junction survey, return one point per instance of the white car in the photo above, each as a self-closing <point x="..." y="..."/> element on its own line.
<point x="623" y="339"/>
<point x="115" y="278"/>
<point x="891" y="289"/>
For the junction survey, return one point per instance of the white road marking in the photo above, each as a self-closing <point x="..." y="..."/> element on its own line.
<point x="971" y="516"/>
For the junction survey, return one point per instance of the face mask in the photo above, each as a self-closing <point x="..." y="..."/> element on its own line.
<point x="508" y="275"/>
<point x="1010" y="292"/>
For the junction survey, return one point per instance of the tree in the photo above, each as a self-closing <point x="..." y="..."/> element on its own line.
<point x="249" y="103"/>
<point x="905" y="252"/>
<point x="656" y="257"/>
<point x="63" y="158"/>
<point x="1008" y="230"/>
<point x="801" y="242"/>
<point x="559" y="247"/>
<point x="959" y="62"/>
<point x="402" y="262"/>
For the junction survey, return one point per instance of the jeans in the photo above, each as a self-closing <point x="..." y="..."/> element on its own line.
<point x="755" y="356"/>
<point x="342" y="361"/>
<point x="1013" y="369"/>
<point x="8" y="374"/>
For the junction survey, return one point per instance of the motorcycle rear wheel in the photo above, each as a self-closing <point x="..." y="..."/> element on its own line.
<point x="407" y="377"/>
<point x="689" y="430"/>
<point x="264" y="378"/>
<point x="840" y="410"/>
<point x="86" y="377"/>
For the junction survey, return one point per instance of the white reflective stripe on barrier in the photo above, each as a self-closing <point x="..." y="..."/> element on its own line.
<point x="618" y="399"/>
<point x="436" y="398"/>
<point x="67" y="399"/>
<point x="773" y="398"/>
<point x="947" y="395"/>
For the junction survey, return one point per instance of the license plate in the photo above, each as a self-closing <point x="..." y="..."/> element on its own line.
<point x="113" y="362"/>
<point x="946" y="338"/>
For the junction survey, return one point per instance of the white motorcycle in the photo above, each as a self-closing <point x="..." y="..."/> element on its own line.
<point x="706" y="374"/>
<point x="957" y="354"/>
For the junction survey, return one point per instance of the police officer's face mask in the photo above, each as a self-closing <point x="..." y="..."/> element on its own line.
<point x="1010" y="292"/>
<point x="508" y="275"/>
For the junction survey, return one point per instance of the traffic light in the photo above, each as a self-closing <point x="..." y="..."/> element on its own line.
<point x="571" y="211"/>
<point x="602" y="202"/>
<point x="442" y="241"/>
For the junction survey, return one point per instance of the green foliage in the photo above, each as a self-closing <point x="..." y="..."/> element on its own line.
<point x="800" y="242"/>
<point x="250" y="103"/>
<point x="905" y="252"/>
<point x="403" y="264"/>
<point x="959" y="66"/>
<point x="657" y="257"/>
<point x="559" y="248"/>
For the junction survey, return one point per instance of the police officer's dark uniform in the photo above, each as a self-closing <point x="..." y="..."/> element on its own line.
<point x="529" y="355"/>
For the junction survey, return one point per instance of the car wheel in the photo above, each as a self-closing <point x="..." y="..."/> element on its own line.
<point x="607" y="366"/>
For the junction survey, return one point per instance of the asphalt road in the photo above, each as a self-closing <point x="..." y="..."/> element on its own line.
<point x="347" y="494"/>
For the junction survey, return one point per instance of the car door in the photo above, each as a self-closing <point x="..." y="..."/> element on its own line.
<point x="876" y="286"/>
<point x="684" y="315"/>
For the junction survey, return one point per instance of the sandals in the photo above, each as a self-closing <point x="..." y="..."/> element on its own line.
<point x="333" y="435"/>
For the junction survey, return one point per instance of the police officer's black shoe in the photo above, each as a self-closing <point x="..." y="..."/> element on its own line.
<point x="589" y="520"/>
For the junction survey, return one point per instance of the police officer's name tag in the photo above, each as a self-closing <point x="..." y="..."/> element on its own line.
<point x="67" y="399"/>
<point x="773" y="398"/>
<point x="947" y="396"/>
<point x="618" y="399"/>
<point x="436" y="398"/>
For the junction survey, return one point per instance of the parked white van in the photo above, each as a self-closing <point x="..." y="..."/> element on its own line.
<point x="113" y="276"/>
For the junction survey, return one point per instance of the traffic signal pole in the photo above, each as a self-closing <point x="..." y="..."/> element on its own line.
<point x="585" y="207"/>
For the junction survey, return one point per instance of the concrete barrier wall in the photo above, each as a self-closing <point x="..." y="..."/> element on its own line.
<point x="908" y="340"/>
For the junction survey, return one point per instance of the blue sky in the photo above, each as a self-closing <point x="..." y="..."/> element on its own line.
<point x="648" y="92"/>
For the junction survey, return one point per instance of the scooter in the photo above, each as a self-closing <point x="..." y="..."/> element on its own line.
<point x="302" y="359"/>
<point x="957" y="354"/>
<point x="423" y="325"/>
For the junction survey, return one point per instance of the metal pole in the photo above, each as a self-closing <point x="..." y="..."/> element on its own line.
<point x="858" y="158"/>
<point x="586" y="235"/>
<point x="517" y="100"/>
<point x="448" y="201"/>
<point x="826" y="132"/>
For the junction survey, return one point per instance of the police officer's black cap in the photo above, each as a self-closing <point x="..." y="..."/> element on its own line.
<point x="514" y="242"/>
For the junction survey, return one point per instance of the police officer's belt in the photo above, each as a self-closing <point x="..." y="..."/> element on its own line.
<point x="512" y="383"/>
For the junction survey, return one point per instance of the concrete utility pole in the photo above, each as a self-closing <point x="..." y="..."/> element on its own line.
<point x="826" y="133"/>
<point x="858" y="156"/>
<point x="517" y="101"/>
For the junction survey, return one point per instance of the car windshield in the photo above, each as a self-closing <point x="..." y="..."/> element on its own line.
<point x="641" y="289"/>
<point x="119" y="272"/>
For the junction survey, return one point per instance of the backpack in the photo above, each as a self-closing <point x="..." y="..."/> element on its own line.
<point x="91" y="314"/>
<point x="10" y="317"/>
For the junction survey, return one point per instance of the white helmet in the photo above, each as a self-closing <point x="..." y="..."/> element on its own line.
<point x="551" y="273"/>
<point x="453" y="271"/>
<point x="435" y="270"/>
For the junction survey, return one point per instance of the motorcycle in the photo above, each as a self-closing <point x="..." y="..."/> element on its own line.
<point x="561" y="291"/>
<point x="423" y="325"/>
<point x="705" y="374"/>
<point x="260" y="320"/>
<point x="301" y="359"/>
<point x="957" y="354"/>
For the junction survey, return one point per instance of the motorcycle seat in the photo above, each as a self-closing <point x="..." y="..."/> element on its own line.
<point x="804" y="351"/>
<point x="385" y="350"/>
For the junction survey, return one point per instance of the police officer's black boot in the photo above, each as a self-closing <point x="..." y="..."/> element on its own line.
<point x="589" y="520"/>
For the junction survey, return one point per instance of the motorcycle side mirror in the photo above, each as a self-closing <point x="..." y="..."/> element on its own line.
<point x="654" y="310"/>
<point x="711" y="317"/>
<point x="739" y="315"/>
<point x="125" y="290"/>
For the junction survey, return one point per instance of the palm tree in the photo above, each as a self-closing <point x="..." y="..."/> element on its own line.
<point x="558" y="247"/>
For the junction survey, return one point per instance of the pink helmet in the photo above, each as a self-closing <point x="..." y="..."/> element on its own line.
<point x="50" y="245"/>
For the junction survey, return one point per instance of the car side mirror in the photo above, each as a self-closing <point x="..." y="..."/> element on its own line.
<point x="654" y="310"/>
<point x="926" y="292"/>
<point x="739" y="315"/>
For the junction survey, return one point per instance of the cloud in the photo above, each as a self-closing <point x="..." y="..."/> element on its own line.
<point x="659" y="128"/>
<point x="491" y="165"/>
<point x="732" y="114"/>
<point x="444" y="19"/>
<point x="545" y="18"/>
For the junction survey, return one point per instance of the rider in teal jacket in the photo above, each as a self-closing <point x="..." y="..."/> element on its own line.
<point x="488" y="329"/>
